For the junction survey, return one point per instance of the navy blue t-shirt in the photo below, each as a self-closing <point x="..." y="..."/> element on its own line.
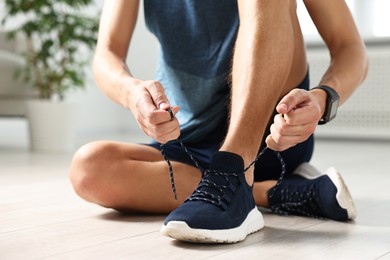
<point x="197" y="39"/>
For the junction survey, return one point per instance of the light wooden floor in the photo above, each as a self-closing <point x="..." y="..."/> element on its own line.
<point x="42" y="218"/>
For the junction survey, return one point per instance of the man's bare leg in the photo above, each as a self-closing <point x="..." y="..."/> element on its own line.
<point x="130" y="177"/>
<point x="264" y="59"/>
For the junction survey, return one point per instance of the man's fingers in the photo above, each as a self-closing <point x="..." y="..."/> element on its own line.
<point x="281" y="127"/>
<point x="153" y="113"/>
<point x="173" y="111"/>
<point x="153" y="105"/>
<point x="291" y="134"/>
<point x="291" y="101"/>
<point x="272" y="144"/>
<point x="161" y="116"/>
<point x="282" y="108"/>
<point x="283" y="136"/>
<point x="162" y="129"/>
<point x="296" y="121"/>
<point x="307" y="113"/>
<point x="157" y="93"/>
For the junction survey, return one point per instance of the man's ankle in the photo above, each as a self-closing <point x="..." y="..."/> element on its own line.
<point x="249" y="176"/>
<point x="260" y="192"/>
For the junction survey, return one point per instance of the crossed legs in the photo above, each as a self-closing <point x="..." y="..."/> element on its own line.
<point x="132" y="177"/>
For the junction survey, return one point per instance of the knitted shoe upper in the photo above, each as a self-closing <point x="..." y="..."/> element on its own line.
<point x="222" y="199"/>
<point x="314" y="198"/>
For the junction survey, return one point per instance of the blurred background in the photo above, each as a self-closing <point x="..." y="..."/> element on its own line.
<point x="365" y="116"/>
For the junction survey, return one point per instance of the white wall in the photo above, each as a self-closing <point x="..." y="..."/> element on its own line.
<point x="371" y="17"/>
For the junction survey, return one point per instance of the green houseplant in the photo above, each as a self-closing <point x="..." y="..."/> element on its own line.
<point x="59" y="38"/>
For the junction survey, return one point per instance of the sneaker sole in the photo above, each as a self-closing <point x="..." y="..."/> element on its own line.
<point x="343" y="195"/>
<point x="181" y="231"/>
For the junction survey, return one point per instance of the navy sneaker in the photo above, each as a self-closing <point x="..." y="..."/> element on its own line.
<point x="221" y="209"/>
<point x="307" y="192"/>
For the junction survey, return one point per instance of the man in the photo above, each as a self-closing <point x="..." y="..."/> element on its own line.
<point x="224" y="68"/>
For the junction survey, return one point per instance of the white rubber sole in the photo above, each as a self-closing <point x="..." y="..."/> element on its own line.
<point x="343" y="195"/>
<point x="181" y="231"/>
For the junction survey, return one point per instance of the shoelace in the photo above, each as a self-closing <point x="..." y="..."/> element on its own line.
<point x="299" y="203"/>
<point x="207" y="196"/>
<point x="213" y="193"/>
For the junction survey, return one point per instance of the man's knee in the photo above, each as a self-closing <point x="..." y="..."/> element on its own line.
<point x="87" y="169"/>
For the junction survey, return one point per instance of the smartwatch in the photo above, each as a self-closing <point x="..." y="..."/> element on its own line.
<point x="332" y="103"/>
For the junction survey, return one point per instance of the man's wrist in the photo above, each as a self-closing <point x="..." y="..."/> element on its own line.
<point x="321" y="97"/>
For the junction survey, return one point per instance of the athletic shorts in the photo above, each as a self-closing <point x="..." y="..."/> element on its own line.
<point x="268" y="167"/>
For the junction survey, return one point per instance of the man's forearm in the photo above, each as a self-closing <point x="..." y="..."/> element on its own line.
<point x="348" y="69"/>
<point x="113" y="77"/>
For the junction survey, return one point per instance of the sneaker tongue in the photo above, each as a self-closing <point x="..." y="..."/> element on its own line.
<point x="224" y="162"/>
<point x="227" y="162"/>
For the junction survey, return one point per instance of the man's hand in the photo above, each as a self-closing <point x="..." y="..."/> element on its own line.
<point x="149" y="105"/>
<point x="298" y="115"/>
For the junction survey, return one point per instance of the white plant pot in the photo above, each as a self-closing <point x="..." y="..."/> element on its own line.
<point x="52" y="125"/>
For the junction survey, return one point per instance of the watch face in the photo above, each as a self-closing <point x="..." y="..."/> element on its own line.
<point x="333" y="109"/>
